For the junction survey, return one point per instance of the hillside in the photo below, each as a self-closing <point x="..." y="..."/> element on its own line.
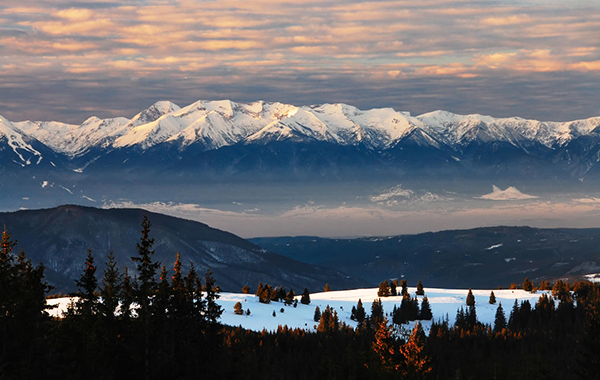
<point x="480" y="257"/>
<point x="60" y="237"/>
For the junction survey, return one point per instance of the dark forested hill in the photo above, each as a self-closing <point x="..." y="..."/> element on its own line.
<point x="481" y="257"/>
<point x="60" y="237"/>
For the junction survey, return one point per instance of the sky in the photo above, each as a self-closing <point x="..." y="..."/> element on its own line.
<point x="68" y="60"/>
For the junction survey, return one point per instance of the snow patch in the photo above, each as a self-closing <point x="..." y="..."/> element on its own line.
<point x="493" y="247"/>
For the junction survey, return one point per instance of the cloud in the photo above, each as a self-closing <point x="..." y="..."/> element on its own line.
<point x="375" y="47"/>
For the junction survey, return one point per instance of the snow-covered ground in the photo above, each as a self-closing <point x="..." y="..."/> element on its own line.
<point x="444" y="302"/>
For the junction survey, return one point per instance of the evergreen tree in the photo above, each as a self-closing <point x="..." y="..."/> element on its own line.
<point x="326" y="288"/>
<point x="329" y="320"/>
<point x="527" y="285"/>
<point x="384" y="289"/>
<point x="470" y="298"/>
<point x="213" y="309"/>
<point x="246" y="289"/>
<point x="317" y="315"/>
<point x="492" y="298"/>
<point x="500" y="319"/>
<point x="87" y="304"/>
<point x="127" y="296"/>
<point x="305" y="299"/>
<point x="416" y="361"/>
<point x="384" y="346"/>
<point x="376" y="312"/>
<point x="237" y="309"/>
<point x="404" y="286"/>
<point x="425" y="313"/>
<point x="420" y="289"/>
<point x="289" y="297"/>
<point x="111" y="288"/>
<point x="145" y="285"/>
<point x="393" y="289"/>
<point x="360" y="314"/>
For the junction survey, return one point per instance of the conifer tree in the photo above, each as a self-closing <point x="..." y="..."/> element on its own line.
<point x="246" y="289"/>
<point x="384" y="289"/>
<point x="127" y="296"/>
<point x="393" y="289"/>
<point x="213" y="309"/>
<point x="425" y="312"/>
<point x="492" y="298"/>
<point x="111" y="288"/>
<point x="384" y="346"/>
<point x="237" y="309"/>
<point x="470" y="298"/>
<point x="326" y="288"/>
<point x="360" y="314"/>
<point x="289" y="297"/>
<point x="305" y="299"/>
<point x="376" y="312"/>
<point x="500" y="319"/>
<point x="404" y="286"/>
<point x="317" y="315"/>
<point x="420" y="289"/>
<point x="416" y="361"/>
<point x="527" y="285"/>
<point x="87" y="304"/>
<point x="145" y="286"/>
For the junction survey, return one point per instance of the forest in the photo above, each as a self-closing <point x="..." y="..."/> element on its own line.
<point x="162" y="323"/>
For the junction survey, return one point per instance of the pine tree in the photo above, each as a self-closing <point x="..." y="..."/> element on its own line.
<point x="360" y="314"/>
<point x="384" y="346"/>
<point x="237" y="309"/>
<point x="470" y="298"/>
<point x="111" y="288"/>
<point x="317" y="315"/>
<point x="145" y="285"/>
<point x="416" y="362"/>
<point x="289" y="297"/>
<point x="384" y="289"/>
<point x="420" y="289"/>
<point x="305" y="299"/>
<point x="527" y="285"/>
<point x="326" y="288"/>
<point x="376" y="311"/>
<point x="393" y="290"/>
<point x="425" y="312"/>
<point x="500" y="319"/>
<point x="492" y="298"/>
<point x="213" y="309"/>
<point x="246" y="289"/>
<point x="127" y="296"/>
<point x="87" y="304"/>
<point x="404" y="286"/>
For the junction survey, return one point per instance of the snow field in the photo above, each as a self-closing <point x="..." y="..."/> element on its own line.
<point x="444" y="303"/>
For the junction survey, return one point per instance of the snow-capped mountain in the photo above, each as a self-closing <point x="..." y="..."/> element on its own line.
<point x="328" y="139"/>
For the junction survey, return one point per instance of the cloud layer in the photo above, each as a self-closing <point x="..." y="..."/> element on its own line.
<point x="68" y="60"/>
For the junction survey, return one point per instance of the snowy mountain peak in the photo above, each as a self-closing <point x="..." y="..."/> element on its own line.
<point x="154" y="112"/>
<point x="214" y="124"/>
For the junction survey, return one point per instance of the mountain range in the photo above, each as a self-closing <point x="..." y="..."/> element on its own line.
<point x="195" y="137"/>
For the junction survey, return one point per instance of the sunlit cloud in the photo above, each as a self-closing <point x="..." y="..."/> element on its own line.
<point x="322" y="47"/>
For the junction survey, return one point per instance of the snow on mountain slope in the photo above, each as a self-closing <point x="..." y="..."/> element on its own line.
<point x="24" y="152"/>
<point x="463" y="129"/>
<point x="215" y="124"/>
